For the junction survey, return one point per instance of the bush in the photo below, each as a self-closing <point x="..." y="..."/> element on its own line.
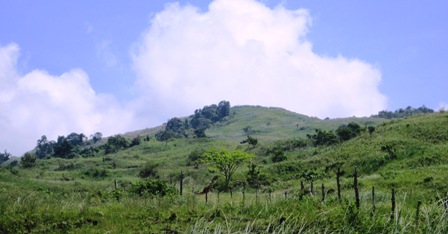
<point x="28" y="160"/>
<point x="153" y="187"/>
<point x="279" y="156"/>
<point x="149" y="170"/>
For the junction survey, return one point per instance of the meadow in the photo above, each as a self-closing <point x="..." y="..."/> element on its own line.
<point x="404" y="160"/>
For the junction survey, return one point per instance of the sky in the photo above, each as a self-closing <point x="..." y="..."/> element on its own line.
<point x="118" y="66"/>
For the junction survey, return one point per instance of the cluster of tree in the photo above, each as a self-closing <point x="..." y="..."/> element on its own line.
<point x="195" y="125"/>
<point x="69" y="146"/>
<point x="402" y="113"/>
<point x="75" y="145"/>
<point x="4" y="157"/>
<point x="342" y="133"/>
<point x="118" y="142"/>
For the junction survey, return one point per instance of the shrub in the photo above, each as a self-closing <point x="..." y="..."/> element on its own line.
<point x="149" y="170"/>
<point x="28" y="160"/>
<point x="153" y="187"/>
<point x="279" y="156"/>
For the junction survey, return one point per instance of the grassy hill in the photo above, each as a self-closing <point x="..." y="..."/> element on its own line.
<point x="272" y="123"/>
<point x="95" y="194"/>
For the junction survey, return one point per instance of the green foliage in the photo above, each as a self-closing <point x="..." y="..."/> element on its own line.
<point x="63" y="149"/>
<point x="116" y="143"/>
<point x="149" y="170"/>
<point x="28" y="160"/>
<point x="251" y="141"/>
<point x="278" y="156"/>
<point x="371" y="129"/>
<point x="256" y="179"/>
<point x="153" y="187"/>
<point x="97" y="137"/>
<point x="96" y="173"/>
<point x="402" y="113"/>
<point x="4" y="157"/>
<point x="195" y="157"/>
<point x="347" y="132"/>
<point x="323" y="137"/>
<point x="226" y="161"/>
<point x="135" y="141"/>
<point x="200" y="121"/>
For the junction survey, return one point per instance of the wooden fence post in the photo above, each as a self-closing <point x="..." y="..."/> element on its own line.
<point x="355" y="185"/>
<point x="417" y="212"/>
<point x="323" y="192"/>
<point x="373" y="202"/>
<point x="392" y="211"/>
<point x="338" y="174"/>
<point x="181" y="181"/>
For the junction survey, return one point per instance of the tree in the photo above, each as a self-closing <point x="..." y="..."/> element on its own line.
<point x="176" y="127"/>
<point x="116" y="143"/>
<point x="251" y="140"/>
<point x="63" y="149"/>
<point x="255" y="178"/>
<point x="97" y="137"/>
<point x="44" y="147"/>
<point x="75" y="139"/>
<point x="4" y="157"/>
<point x="347" y="132"/>
<point x="223" y="109"/>
<point x="28" y="160"/>
<point x="226" y="162"/>
<point x="135" y="141"/>
<point x="323" y="137"/>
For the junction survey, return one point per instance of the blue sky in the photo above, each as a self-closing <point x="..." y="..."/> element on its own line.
<point x="117" y="66"/>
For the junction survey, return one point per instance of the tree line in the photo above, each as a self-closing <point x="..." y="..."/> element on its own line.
<point x="403" y="113"/>
<point x="196" y="124"/>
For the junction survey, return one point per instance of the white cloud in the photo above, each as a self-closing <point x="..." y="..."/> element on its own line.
<point x="37" y="103"/>
<point x="443" y="106"/>
<point x="247" y="53"/>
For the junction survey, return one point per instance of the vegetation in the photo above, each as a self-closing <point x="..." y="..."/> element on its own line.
<point x="288" y="182"/>
<point x="402" y="113"/>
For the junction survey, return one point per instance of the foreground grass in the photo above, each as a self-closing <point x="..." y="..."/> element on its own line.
<point x="79" y="195"/>
<point x="119" y="212"/>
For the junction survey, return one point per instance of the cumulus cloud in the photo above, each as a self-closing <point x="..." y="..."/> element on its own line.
<point x="443" y="106"/>
<point x="37" y="103"/>
<point x="247" y="53"/>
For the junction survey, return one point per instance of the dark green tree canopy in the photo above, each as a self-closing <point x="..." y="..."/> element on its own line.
<point x="402" y="113"/>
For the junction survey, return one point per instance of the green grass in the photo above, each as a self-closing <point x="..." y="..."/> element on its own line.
<point x="79" y="196"/>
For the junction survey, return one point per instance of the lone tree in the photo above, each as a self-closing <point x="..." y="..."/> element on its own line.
<point x="226" y="161"/>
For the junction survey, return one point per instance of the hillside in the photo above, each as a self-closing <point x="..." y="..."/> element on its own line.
<point x="272" y="123"/>
<point x="97" y="193"/>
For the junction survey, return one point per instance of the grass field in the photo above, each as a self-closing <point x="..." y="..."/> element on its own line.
<point x="94" y="195"/>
